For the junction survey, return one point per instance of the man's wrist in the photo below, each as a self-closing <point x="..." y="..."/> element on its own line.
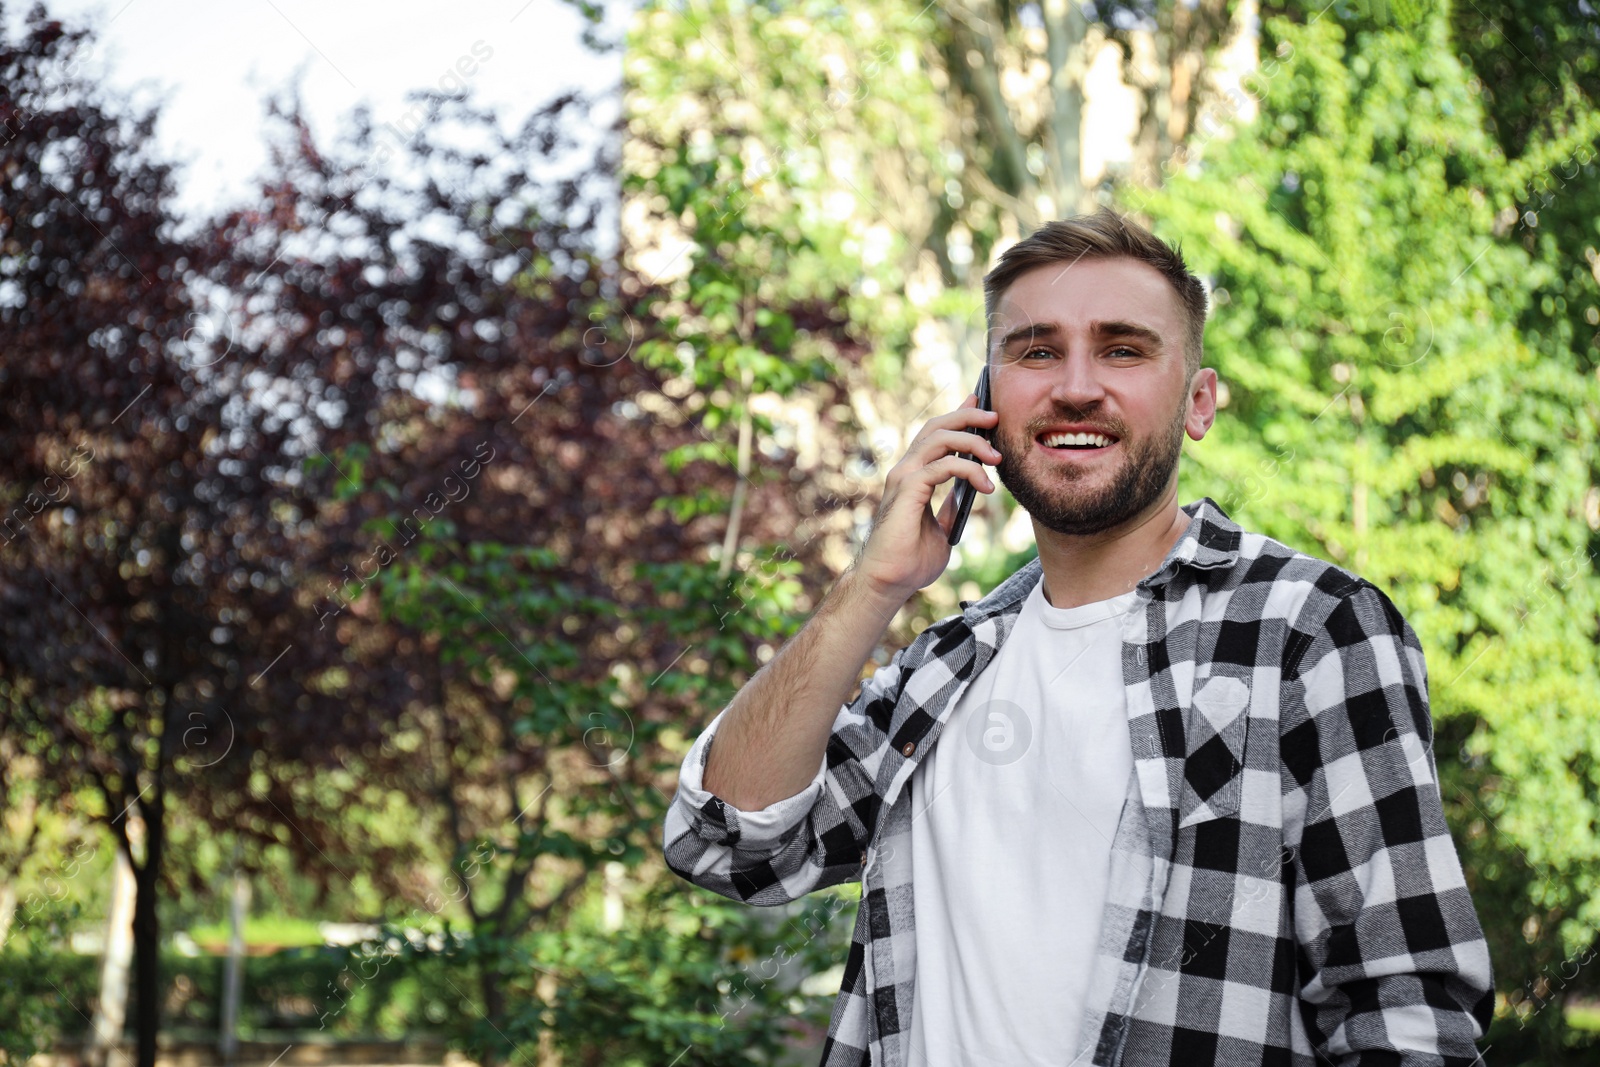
<point x="860" y="591"/>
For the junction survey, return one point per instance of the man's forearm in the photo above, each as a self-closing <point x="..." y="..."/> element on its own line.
<point x="774" y="734"/>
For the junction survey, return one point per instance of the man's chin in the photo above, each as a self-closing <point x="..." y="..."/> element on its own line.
<point x="1079" y="503"/>
<point x="1083" y="522"/>
<point x="1074" y="513"/>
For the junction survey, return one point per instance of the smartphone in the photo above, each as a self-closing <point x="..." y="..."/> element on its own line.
<point x="964" y="491"/>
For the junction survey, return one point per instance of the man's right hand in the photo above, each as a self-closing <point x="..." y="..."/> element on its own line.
<point x="775" y="735"/>
<point x="909" y="547"/>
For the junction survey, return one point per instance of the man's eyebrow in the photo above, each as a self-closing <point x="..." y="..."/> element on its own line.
<point x="1031" y="332"/>
<point x="1114" y="328"/>
<point x="1119" y="328"/>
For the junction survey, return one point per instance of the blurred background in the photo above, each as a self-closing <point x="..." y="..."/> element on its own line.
<point x="414" y="427"/>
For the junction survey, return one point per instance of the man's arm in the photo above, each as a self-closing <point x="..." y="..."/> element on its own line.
<point x="807" y="841"/>
<point x="777" y="726"/>
<point x="1391" y="954"/>
<point x="784" y="752"/>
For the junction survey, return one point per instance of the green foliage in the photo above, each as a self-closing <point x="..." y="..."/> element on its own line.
<point x="364" y="993"/>
<point x="798" y="149"/>
<point x="692" y="602"/>
<point x="43" y="992"/>
<point x="692" y="975"/>
<point x="730" y="329"/>
<point x="1403" y="255"/>
<point x="1388" y="408"/>
<point x="382" y="990"/>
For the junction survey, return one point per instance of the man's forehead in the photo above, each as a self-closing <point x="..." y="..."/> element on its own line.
<point x="1078" y="294"/>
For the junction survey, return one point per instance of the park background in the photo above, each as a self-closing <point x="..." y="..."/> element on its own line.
<point x="376" y="541"/>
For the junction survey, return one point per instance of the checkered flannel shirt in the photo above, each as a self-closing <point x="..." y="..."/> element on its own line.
<point x="1284" y="889"/>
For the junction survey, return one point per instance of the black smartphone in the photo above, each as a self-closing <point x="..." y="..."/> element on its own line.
<point x="964" y="492"/>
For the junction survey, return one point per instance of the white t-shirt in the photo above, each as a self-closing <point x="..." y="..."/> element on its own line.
<point x="1013" y="814"/>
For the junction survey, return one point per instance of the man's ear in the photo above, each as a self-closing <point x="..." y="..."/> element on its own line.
<point x="1201" y="403"/>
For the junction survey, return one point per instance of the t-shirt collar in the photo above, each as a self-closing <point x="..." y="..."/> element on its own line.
<point x="1211" y="540"/>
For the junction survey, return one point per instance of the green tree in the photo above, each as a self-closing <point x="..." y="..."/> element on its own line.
<point x="1390" y="407"/>
<point x="896" y="146"/>
<point x="542" y="555"/>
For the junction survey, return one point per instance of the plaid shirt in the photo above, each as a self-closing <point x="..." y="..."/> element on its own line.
<point x="1283" y="889"/>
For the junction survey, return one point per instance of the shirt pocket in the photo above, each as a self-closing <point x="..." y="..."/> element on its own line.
<point x="1214" y="734"/>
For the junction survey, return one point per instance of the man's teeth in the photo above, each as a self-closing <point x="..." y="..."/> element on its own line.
<point x="1062" y="440"/>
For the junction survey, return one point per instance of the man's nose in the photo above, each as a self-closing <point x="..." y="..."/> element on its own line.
<point x="1076" y="384"/>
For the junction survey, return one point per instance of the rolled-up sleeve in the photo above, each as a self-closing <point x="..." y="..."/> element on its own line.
<point x="801" y="843"/>
<point x="724" y="824"/>
<point x="1391" y="955"/>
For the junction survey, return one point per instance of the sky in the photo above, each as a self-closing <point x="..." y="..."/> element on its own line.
<point x="211" y="66"/>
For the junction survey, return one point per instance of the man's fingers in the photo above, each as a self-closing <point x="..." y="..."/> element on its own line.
<point x="947" y="512"/>
<point x="939" y="445"/>
<point x="901" y="551"/>
<point x="966" y="417"/>
<point x="942" y="470"/>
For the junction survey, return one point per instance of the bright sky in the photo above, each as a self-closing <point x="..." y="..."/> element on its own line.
<point x="212" y="65"/>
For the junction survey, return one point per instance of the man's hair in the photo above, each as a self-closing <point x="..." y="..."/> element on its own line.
<point x="1103" y="235"/>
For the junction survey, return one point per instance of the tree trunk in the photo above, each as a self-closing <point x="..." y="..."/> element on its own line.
<point x="111" y="1009"/>
<point x="150" y="824"/>
<point x="147" y="959"/>
<point x="494" y="1008"/>
<point x="612" y="915"/>
<point x="545" y="989"/>
<point x="8" y="909"/>
<point x="1065" y="29"/>
<point x="232" y="982"/>
<point x="986" y="87"/>
<point x="730" y="539"/>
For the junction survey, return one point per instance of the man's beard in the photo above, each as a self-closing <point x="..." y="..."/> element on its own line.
<point x="1058" y="501"/>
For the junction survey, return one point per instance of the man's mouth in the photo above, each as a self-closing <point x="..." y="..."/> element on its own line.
<point x="1077" y="441"/>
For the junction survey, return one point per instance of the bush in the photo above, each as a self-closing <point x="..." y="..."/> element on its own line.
<point x="47" y="995"/>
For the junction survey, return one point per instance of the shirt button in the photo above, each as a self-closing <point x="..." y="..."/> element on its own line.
<point x="908" y="748"/>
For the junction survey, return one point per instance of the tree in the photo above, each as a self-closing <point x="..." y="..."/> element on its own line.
<point x="519" y="542"/>
<point x="86" y="226"/>
<point x="1402" y="262"/>
<point x="155" y="514"/>
<point x="254" y="645"/>
<point x="1390" y="407"/>
<point x="905" y="144"/>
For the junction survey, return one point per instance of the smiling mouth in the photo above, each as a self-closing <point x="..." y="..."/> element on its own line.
<point x="1076" y="442"/>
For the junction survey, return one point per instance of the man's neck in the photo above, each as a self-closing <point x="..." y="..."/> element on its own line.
<point x="1085" y="569"/>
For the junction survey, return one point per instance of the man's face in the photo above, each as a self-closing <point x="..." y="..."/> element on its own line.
<point x="1093" y="347"/>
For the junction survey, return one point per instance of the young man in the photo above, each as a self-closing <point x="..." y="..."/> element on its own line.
<point x="1186" y="811"/>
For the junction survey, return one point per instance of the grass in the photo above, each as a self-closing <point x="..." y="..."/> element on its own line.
<point x="1583" y="1015"/>
<point x="265" y="930"/>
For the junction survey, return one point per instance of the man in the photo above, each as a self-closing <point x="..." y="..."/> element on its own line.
<point x="1186" y="811"/>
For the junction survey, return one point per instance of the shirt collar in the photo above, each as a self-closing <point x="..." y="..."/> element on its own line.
<point x="1211" y="540"/>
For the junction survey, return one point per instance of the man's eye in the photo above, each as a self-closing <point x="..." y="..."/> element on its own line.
<point x="1125" y="352"/>
<point x="1044" y="352"/>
